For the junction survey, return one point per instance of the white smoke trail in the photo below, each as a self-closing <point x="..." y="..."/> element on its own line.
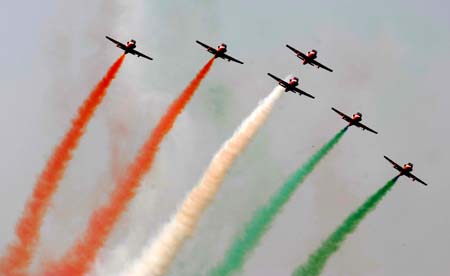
<point x="157" y="257"/>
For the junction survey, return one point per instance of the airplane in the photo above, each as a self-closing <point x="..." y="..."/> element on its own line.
<point x="291" y="85"/>
<point x="129" y="47"/>
<point x="309" y="58"/>
<point x="405" y="170"/>
<point x="355" y="120"/>
<point x="220" y="52"/>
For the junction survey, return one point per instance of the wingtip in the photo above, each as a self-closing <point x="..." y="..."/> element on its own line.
<point x="310" y="96"/>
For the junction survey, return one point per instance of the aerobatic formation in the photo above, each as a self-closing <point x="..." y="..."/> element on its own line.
<point x="159" y="253"/>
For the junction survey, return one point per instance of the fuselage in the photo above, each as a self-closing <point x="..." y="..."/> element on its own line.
<point x="356" y="118"/>
<point x="293" y="82"/>
<point x="407" y="168"/>
<point x="310" y="56"/>
<point x="221" y="49"/>
<point x="131" y="44"/>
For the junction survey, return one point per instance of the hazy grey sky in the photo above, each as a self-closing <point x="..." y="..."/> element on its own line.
<point x="390" y="60"/>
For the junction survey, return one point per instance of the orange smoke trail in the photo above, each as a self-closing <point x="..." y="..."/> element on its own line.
<point x="19" y="254"/>
<point x="79" y="259"/>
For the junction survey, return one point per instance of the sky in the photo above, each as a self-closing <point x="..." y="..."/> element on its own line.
<point x="390" y="61"/>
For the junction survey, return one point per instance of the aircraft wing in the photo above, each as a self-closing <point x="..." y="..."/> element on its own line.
<point x="277" y="78"/>
<point x="119" y="44"/>
<point x="297" y="52"/>
<point x="345" y="117"/>
<point x="209" y="48"/>
<point x="301" y="92"/>
<point x="415" y="178"/>
<point x="139" y="54"/>
<point x="316" y="63"/>
<point x="224" y="56"/>
<point x="365" y="127"/>
<point x="396" y="166"/>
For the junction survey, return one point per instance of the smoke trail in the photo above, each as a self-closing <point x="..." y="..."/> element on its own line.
<point x="316" y="261"/>
<point x="157" y="257"/>
<point x="20" y="252"/>
<point x="79" y="259"/>
<point x="253" y="231"/>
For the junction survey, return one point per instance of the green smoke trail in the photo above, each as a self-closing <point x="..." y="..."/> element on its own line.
<point x="316" y="261"/>
<point x="249" y="238"/>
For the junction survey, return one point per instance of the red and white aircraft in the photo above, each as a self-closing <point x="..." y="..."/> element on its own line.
<point x="405" y="170"/>
<point x="219" y="52"/>
<point x="355" y="120"/>
<point x="129" y="47"/>
<point x="309" y="58"/>
<point x="291" y="85"/>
